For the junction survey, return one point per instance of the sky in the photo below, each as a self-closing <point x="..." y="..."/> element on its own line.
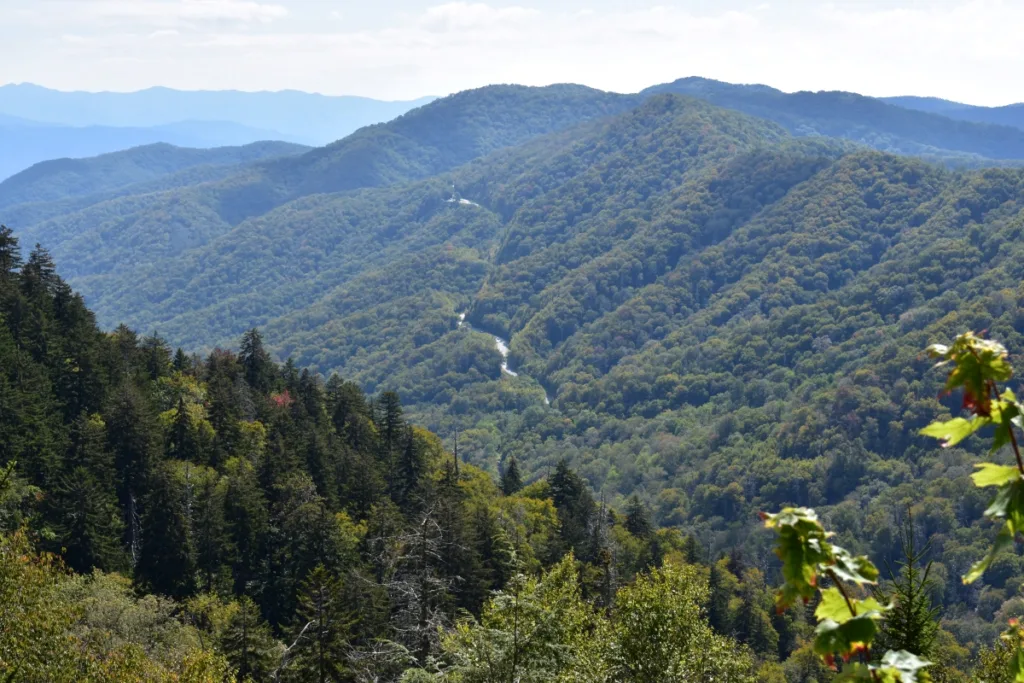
<point x="966" y="50"/>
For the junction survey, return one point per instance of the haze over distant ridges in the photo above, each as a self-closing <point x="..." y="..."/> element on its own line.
<point x="308" y="118"/>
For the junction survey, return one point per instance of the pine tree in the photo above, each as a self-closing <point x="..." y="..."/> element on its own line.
<point x="10" y="253"/>
<point x="39" y="274"/>
<point x="249" y="645"/>
<point x="511" y="480"/>
<point x="256" y="363"/>
<point x="575" y="507"/>
<point x="350" y="414"/>
<point x="211" y="540"/>
<point x="408" y="472"/>
<point x="132" y="437"/>
<point x="222" y="372"/>
<point x="156" y="356"/>
<point x="181" y="363"/>
<point x="182" y="444"/>
<point x="321" y="631"/>
<point x="391" y="423"/>
<point x="84" y="502"/>
<point x="638" y="522"/>
<point x="166" y="556"/>
<point x="88" y="524"/>
<point x="718" y="601"/>
<point x="247" y="522"/>
<point x="912" y="623"/>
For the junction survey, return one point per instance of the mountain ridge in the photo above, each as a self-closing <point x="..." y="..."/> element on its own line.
<point x="307" y="118"/>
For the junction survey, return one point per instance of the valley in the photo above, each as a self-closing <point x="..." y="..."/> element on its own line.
<point x="558" y="340"/>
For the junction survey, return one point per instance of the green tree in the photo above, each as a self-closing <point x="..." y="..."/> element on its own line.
<point x="638" y="522"/>
<point x="660" y="633"/>
<point x="913" y="623"/>
<point x="167" y="556"/>
<point x="532" y="631"/>
<point x="575" y="507"/>
<point x="321" y="631"/>
<point x="511" y="479"/>
<point x="257" y="366"/>
<point x="248" y="643"/>
<point x="84" y="502"/>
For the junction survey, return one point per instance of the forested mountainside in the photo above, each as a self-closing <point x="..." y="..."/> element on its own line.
<point x="1006" y="115"/>
<point x="443" y="135"/>
<point x="150" y="225"/>
<point x="288" y="528"/>
<point x="60" y="179"/>
<point x="174" y="518"/>
<point x="703" y="310"/>
<point x="941" y="135"/>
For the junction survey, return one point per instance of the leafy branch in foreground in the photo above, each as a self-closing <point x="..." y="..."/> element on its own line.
<point x="847" y="623"/>
<point x="977" y="367"/>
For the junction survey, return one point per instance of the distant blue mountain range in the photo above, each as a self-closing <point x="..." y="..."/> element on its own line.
<point x="1008" y="115"/>
<point x="307" y="118"/>
<point x="38" y="124"/>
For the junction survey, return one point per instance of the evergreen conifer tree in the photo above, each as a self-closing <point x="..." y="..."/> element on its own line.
<point x="321" y="631"/>
<point x="912" y="624"/>
<point x="638" y="522"/>
<point x="249" y="645"/>
<point x="257" y="366"/>
<point x="511" y="480"/>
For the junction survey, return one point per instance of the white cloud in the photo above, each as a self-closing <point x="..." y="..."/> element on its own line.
<point x="961" y="49"/>
<point x="173" y="11"/>
<point x="477" y="16"/>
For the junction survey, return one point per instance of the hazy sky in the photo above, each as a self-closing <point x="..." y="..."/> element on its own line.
<point x="969" y="50"/>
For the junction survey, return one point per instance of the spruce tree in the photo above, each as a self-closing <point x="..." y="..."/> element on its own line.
<point x="88" y="524"/>
<point x="638" y="522"/>
<point x="256" y="363"/>
<point x="133" y="439"/>
<point x="247" y="522"/>
<point x="156" y="356"/>
<point x="181" y="363"/>
<point x="511" y="480"/>
<point x="211" y="539"/>
<point x="575" y="507"/>
<point x="166" y="555"/>
<point x="39" y="274"/>
<point x="249" y="645"/>
<point x="10" y="253"/>
<point x="912" y="624"/>
<point x="391" y="424"/>
<point x="409" y="470"/>
<point x="182" y="442"/>
<point x="320" y="632"/>
<point x="718" y="601"/>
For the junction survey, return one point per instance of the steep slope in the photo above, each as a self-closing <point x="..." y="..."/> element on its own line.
<point x="1007" y="115"/>
<point x="862" y="119"/>
<point x="305" y="117"/>
<point x="59" y="179"/>
<point x="432" y="139"/>
<point x="726" y="318"/>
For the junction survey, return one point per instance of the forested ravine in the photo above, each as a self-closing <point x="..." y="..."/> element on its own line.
<point x="502" y="346"/>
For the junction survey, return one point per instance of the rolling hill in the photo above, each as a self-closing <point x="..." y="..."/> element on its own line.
<point x="877" y="123"/>
<point x="726" y="312"/>
<point x="61" y="179"/>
